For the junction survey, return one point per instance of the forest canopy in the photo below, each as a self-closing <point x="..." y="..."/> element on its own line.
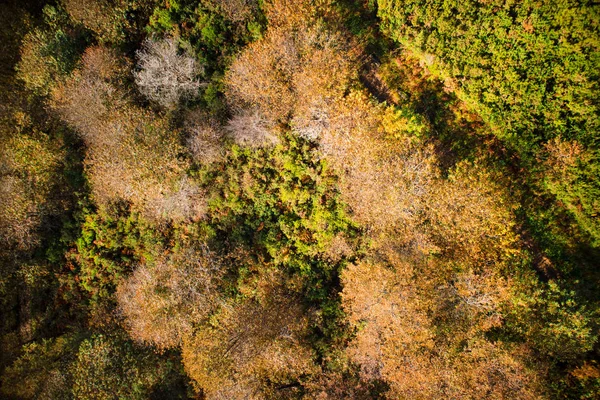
<point x="299" y="199"/>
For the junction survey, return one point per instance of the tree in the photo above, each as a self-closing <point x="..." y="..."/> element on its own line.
<point x="164" y="299"/>
<point x="109" y="367"/>
<point x="236" y="10"/>
<point x="204" y="137"/>
<point x="132" y="154"/>
<point x="249" y="128"/>
<point x="553" y="319"/>
<point x="43" y="370"/>
<point x="30" y="167"/>
<point x="250" y="344"/>
<point x="427" y="345"/>
<point x="386" y="176"/>
<point x="472" y="219"/>
<point x="112" y="239"/>
<point x="569" y="172"/>
<point x="49" y="52"/>
<point x="164" y="75"/>
<point x="280" y="75"/>
<point x="111" y="21"/>
<point x="528" y="69"/>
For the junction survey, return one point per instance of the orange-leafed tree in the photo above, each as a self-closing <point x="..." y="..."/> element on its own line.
<point x="281" y="75"/>
<point x="162" y="300"/>
<point x="253" y="347"/>
<point x="132" y="154"/>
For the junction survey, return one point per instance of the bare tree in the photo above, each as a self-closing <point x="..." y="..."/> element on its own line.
<point x="250" y="128"/>
<point x="185" y="201"/>
<point x="312" y="124"/>
<point x="166" y="76"/>
<point x="205" y="137"/>
<point x="236" y="10"/>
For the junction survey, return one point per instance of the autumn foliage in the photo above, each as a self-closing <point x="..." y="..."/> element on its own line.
<point x="162" y="300"/>
<point x="133" y="155"/>
<point x="243" y="199"/>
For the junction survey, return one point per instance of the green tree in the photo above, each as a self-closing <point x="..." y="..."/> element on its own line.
<point x="49" y="52"/>
<point x="108" y="367"/>
<point x="529" y="69"/>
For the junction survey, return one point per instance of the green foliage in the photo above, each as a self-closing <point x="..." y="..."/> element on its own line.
<point x="405" y="122"/>
<point x="206" y="26"/>
<point x="99" y="367"/>
<point x="576" y="186"/>
<point x="109" y="367"/>
<point x="49" y="52"/>
<point x="529" y="69"/>
<point x="214" y="36"/>
<point x="554" y="319"/>
<point x="285" y="202"/>
<point x="112" y="240"/>
<point x="283" y="205"/>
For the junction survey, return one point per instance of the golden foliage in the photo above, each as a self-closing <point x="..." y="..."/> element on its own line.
<point x="471" y="217"/>
<point x="282" y="74"/>
<point x="288" y="12"/>
<point x="384" y="181"/>
<point x="250" y="342"/>
<point x="29" y="166"/>
<point x="401" y="339"/>
<point x="440" y="245"/>
<point x="392" y="322"/>
<point x="112" y="21"/>
<point x="392" y="182"/>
